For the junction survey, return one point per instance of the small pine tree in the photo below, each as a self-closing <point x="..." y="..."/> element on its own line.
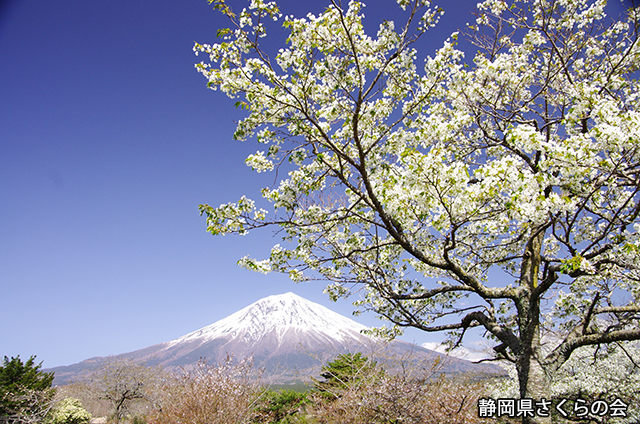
<point x="345" y="371"/>
<point x="281" y="406"/>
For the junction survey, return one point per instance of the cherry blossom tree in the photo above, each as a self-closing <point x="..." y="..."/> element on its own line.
<point x="499" y="191"/>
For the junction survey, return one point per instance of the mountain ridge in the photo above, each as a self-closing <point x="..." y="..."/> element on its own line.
<point x="286" y="335"/>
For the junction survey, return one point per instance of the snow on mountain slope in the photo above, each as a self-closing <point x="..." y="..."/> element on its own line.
<point x="278" y="315"/>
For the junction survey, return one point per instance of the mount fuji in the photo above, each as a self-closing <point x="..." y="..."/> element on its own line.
<point x="287" y="335"/>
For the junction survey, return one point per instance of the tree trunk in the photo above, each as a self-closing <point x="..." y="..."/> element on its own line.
<point x="532" y="378"/>
<point x="534" y="383"/>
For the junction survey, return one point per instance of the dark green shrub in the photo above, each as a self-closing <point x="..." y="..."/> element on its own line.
<point x="25" y="390"/>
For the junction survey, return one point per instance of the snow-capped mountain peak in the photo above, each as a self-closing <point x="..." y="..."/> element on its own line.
<point x="278" y="315"/>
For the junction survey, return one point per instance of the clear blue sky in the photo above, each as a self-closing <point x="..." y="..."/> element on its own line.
<point x="109" y="141"/>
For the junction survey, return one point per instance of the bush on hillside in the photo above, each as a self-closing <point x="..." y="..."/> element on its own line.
<point x="69" y="411"/>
